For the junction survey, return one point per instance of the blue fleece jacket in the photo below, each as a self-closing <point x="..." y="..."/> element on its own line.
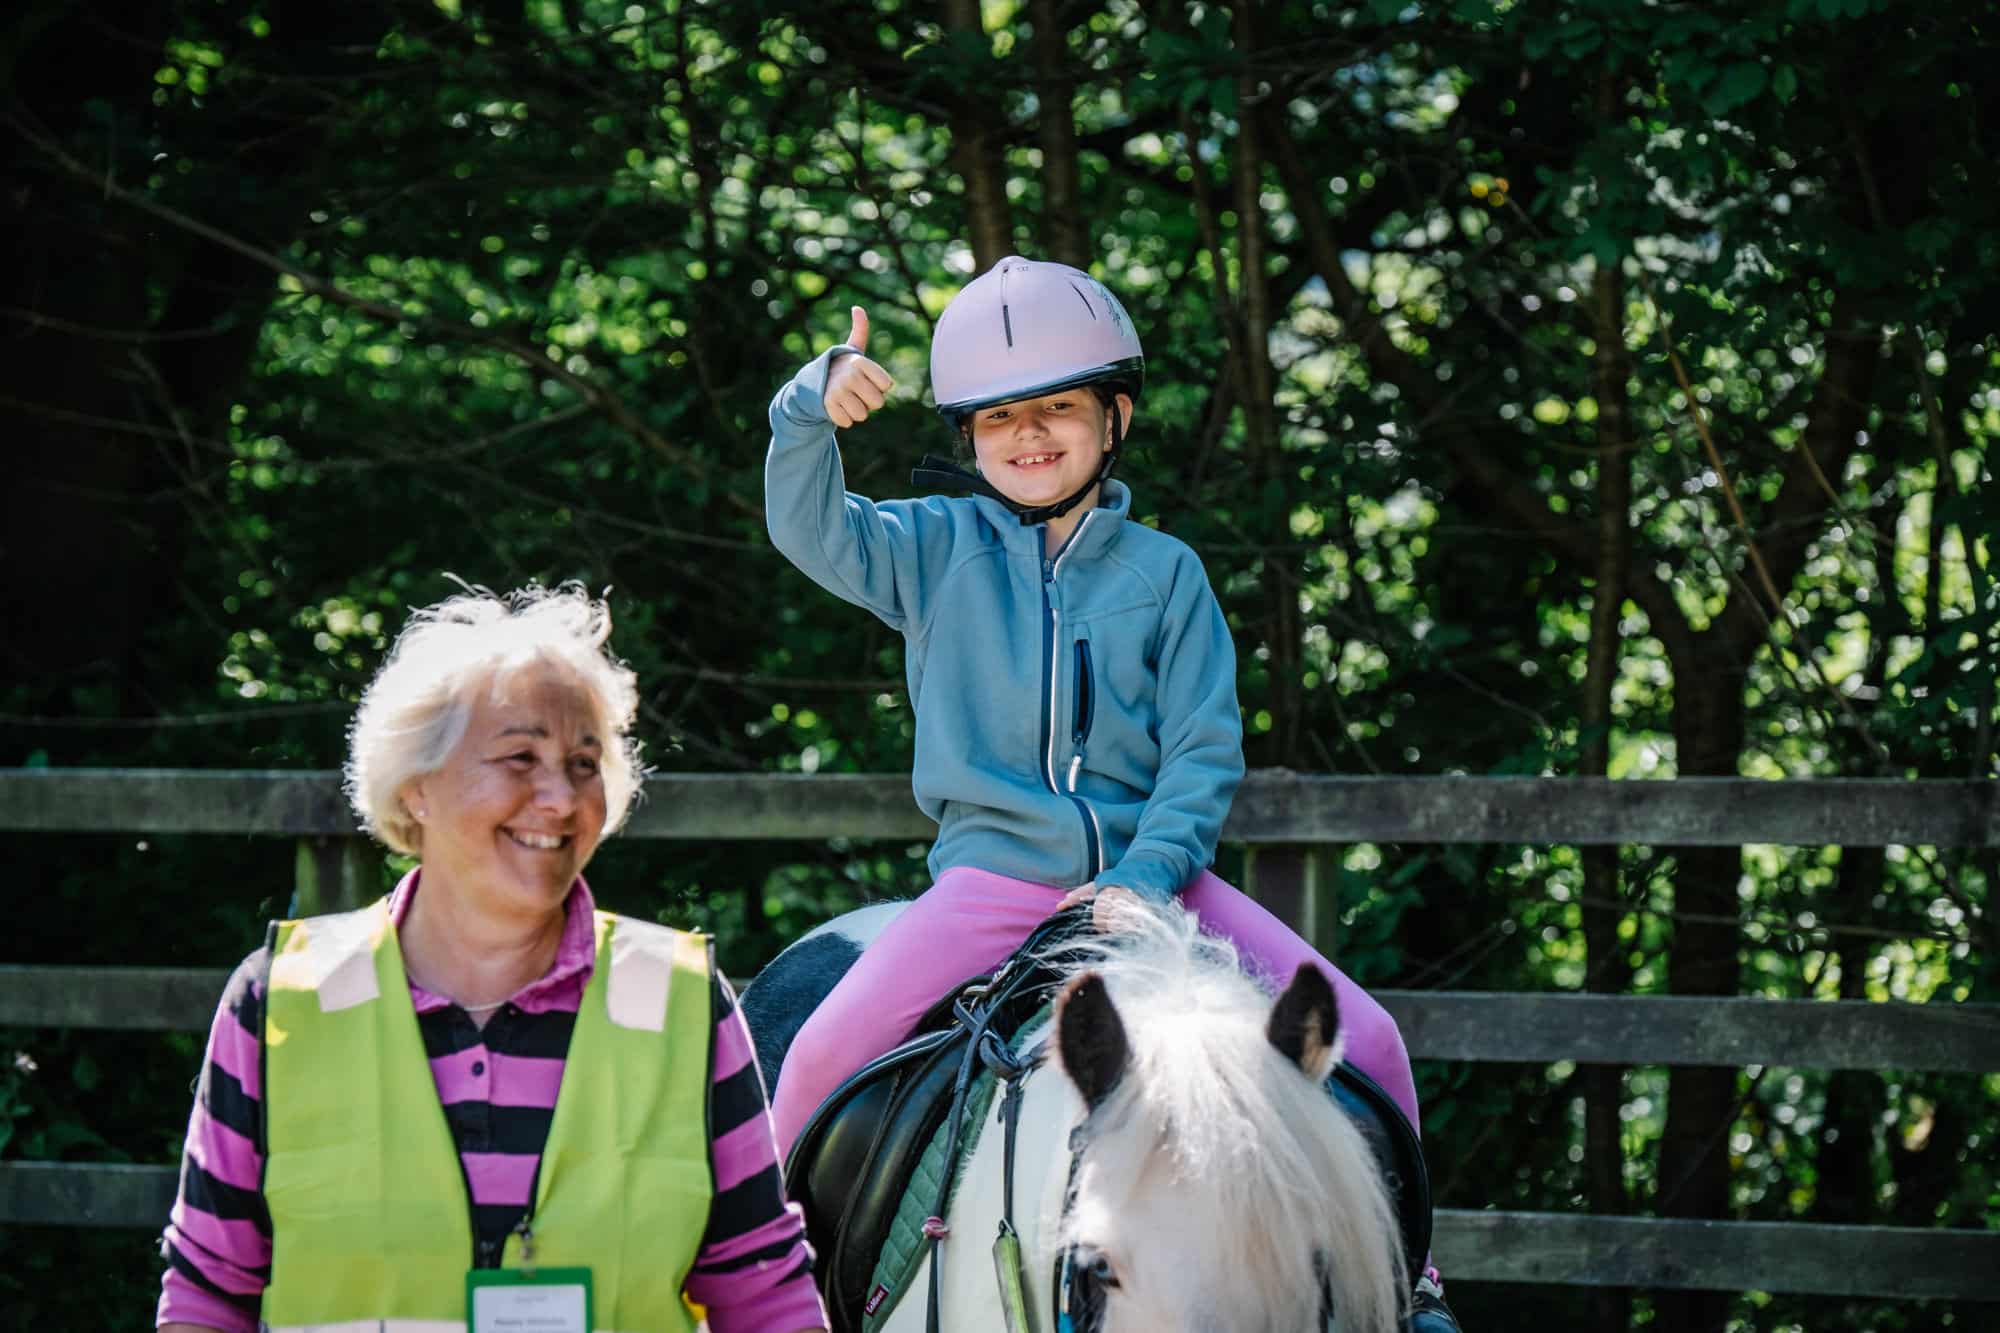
<point x="1076" y="716"/>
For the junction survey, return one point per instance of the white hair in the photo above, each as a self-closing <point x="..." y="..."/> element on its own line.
<point x="1210" y="1122"/>
<point x="416" y="709"/>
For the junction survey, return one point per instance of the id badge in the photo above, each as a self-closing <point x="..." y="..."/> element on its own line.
<point x="516" y="1300"/>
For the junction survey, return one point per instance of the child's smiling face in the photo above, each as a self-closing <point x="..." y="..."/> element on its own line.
<point x="1036" y="451"/>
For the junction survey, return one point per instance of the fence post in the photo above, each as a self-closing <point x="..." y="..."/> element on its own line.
<point x="332" y="874"/>
<point x="1299" y="883"/>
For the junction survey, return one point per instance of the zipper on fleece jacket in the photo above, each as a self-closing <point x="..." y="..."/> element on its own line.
<point x="1051" y="648"/>
<point x="1080" y="732"/>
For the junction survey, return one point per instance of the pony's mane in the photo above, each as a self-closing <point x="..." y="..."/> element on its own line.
<point x="1241" y="1134"/>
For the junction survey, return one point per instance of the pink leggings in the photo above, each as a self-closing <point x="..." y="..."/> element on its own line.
<point x="969" y="921"/>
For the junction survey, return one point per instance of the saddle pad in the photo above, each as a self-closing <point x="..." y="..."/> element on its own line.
<point x="849" y="1167"/>
<point x="903" y="1248"/>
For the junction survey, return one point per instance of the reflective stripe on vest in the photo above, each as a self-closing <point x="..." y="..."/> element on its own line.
<point x="370" y="1213"/>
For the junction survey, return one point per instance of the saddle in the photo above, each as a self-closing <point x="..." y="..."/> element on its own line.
<point x="855" y="1160"/>
<point x="858" y="1156"/>
<point x="1398" y="1153"/>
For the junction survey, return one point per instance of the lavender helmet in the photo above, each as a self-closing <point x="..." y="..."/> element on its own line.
<point x="1027" y="327"/>
<point x="1022" y="329"/>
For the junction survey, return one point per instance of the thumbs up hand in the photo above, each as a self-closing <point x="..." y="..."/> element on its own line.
<point x="856" y="386"/>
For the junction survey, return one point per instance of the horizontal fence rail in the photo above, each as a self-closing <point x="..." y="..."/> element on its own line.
<point x="1466" y="1026"/>
<point x="1474" y="1026"/>
<point x="1573" y="1249"/>
<point x="1272" y="806"/>
<point x="1803" y="1258"/>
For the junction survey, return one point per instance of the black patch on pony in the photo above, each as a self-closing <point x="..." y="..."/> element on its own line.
<point x="783" y="996"/>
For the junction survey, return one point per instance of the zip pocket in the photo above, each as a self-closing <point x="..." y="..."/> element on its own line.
<point x="1081" y="732"/>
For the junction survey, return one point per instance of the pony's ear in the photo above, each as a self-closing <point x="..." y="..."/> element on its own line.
<point x="1090" y="1037"/>
<point x="1305" y="1023"/>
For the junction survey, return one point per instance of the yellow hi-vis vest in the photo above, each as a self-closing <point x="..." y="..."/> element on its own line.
<point x="370" y="1211"/>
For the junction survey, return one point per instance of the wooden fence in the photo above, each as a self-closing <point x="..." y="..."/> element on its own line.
<point x="1291" y="823"/>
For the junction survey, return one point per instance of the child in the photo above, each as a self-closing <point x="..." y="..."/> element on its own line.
<point x="1072" y="675"/>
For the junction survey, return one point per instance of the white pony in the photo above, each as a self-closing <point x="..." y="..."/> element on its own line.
<point x="1188" y="1162"/>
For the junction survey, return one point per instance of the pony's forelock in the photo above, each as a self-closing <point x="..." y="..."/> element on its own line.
<point x="1209" y="1109"/>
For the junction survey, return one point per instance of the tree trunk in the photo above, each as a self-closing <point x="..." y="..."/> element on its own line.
<point x="1701" y="1101"/>
<point x="81" y="535"/>
<point x="1709" y="670"/>
<point x="1062" y="225"/>
<point x="77" y="532"/>
<point x="1846" y="1159"/>
<point x="1283" y="638"/>
<point x="1845" y="1162"/>
<point x="979" y="153"/>
<point x="1607" y="970"/>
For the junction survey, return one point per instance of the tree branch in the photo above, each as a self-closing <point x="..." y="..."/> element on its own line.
<point x="603" y="400"/>
<point x="1387" y="362"/>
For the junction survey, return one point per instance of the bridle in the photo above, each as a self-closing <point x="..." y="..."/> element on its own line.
<point x="1077" y="1292"/>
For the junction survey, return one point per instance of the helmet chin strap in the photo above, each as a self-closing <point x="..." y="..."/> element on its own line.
<point x="941" y="474"/>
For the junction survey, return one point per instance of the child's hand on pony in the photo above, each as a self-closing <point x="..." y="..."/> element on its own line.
<point x="1108" y="905"/>
<point x="856" y="385"/>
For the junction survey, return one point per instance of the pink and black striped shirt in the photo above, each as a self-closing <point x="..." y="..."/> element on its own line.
<point x="498" y="1087"/>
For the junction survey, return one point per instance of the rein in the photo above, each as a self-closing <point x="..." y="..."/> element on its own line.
<point x="986" y="1048"/>
<point x="1077" y="1298"/>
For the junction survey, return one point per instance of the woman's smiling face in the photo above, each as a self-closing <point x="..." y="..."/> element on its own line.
<point x="517" y="808"/>
<point x="1036" y="451"/>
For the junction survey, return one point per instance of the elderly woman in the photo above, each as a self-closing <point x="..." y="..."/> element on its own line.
<point x="589" y="1147"/>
